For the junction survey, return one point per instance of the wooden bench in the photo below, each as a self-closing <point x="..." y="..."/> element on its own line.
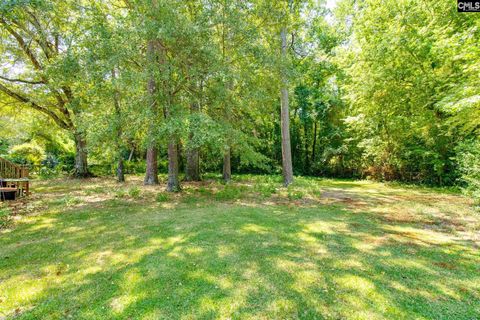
<point x="8" y="194"/>
<point x="21" y="184"/>
<point x="14" y="176"/>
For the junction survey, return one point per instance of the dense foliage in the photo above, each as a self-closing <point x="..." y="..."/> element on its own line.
<point x="380" y="89"/>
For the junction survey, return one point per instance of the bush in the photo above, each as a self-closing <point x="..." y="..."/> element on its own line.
<point x="134" y="167"/>
<point x="50" y="161"/>
<point x="66" y="161"/>
<point x="295" y="195"/>
<point x="101" y="170"/>
<point x="468" y="159"/>
<point x="27" y="153"/>
<point x="134" y="192"/>
<point x="48" y="173"/>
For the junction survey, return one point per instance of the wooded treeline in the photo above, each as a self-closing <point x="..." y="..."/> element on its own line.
<point x="382" y="89"/>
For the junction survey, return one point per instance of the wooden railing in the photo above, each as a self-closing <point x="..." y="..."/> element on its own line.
<point x="10" y="170"/>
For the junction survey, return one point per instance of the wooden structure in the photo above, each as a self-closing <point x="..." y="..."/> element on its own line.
<point x="13" y="178"/>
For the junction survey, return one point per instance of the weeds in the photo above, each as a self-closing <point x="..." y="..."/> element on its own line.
<point x="163" y="197"/>
<point x="120" y="193"/>
<point x="265" y="190"/>
<point x="230" y="192"/>
<point x="4" y="216"/>
<point x="295" y="195"/>
<point x="134" y="192"/>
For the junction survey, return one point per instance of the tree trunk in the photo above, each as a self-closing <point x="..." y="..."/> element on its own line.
<point x="118" y="129"/>
<point x="120" y="170"/>
<point x="314" y="145"/>
<point x="285" y="120"/>
<point x="81" y="165"/>
<point x="227" y="166"/>
<point x="173" y="184"/>
<point x="306" y="165"/>
<point x="192" y="170"/>
<point x="151" y="175"/>
<point x="130" y="157"/>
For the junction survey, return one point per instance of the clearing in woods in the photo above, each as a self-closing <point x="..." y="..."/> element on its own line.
<point x="332" y="249"/>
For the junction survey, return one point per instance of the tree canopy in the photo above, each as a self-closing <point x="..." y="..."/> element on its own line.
<point x="379" y="89"/>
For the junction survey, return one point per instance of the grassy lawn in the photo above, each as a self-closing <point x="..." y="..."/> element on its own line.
<point x="323" y="249"/>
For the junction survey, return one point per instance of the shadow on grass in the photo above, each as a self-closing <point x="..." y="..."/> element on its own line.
<point x="125" y="261"/>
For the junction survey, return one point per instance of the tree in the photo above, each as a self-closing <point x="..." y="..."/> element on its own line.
<point x="39" y="45"/>
<point x="400" y="84"/>
<point x="192" y="169"/>
<point x="154" y="57"/>
<point x="285" y="117"/>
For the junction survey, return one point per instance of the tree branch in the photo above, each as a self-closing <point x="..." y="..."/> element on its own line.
<point x="47" y="47"/>
<point x="34" y="105"/>
<point x="22" y="81"/>
<point x="22" y="44"/>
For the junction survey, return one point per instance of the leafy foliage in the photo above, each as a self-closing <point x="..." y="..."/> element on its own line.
<point x="380" y="89"/>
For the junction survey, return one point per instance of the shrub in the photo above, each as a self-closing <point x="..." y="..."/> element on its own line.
<point x="27" y="153"/>
<point x="50" y="161"/>
<point x="468" y="159"/>
<point x="48" y="173"/>
<point x="67" y="161"/>
<point x="101" y="170"/>
<point x="134" y="167"/>
<point x="134" y="192"/>
<point x="295" y="195"/>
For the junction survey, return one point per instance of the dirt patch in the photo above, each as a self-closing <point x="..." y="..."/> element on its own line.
<point x="402" y="217"/>
<point x="445" y="265"/>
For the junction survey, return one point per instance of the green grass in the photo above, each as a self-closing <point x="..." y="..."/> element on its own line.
<point x="4" y="215"/>
<point x="321" y="249"/>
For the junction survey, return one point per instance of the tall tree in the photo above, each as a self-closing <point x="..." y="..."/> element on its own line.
<point x="39" y="45"/>
<point x="118" y="129"/>
<point x="192" y="168"/>
<point x="285" y="116"/>
<point x="153" y="58"/>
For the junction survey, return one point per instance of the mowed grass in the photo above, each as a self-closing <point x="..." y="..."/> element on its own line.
<point x="321" y="249"/>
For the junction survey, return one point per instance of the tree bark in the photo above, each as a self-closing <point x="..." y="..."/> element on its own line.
<point x="81" y="165"/>
<point x="314" y="145"/>
<point x="192" y="172"/>
<point x="192" y="169"/>
<point x="306" y="165"/>
<point x="227" y="166"/>
<point x="120" y="169"/>
<point x="285" y="120"/>
<point x="118" y="129"/>
<point x="173" y="184"/>
<point x="130" y="157"/>
<point x="151" y="175"/>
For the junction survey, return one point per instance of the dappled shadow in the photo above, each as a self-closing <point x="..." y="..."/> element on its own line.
<point x="126" y="260"/>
